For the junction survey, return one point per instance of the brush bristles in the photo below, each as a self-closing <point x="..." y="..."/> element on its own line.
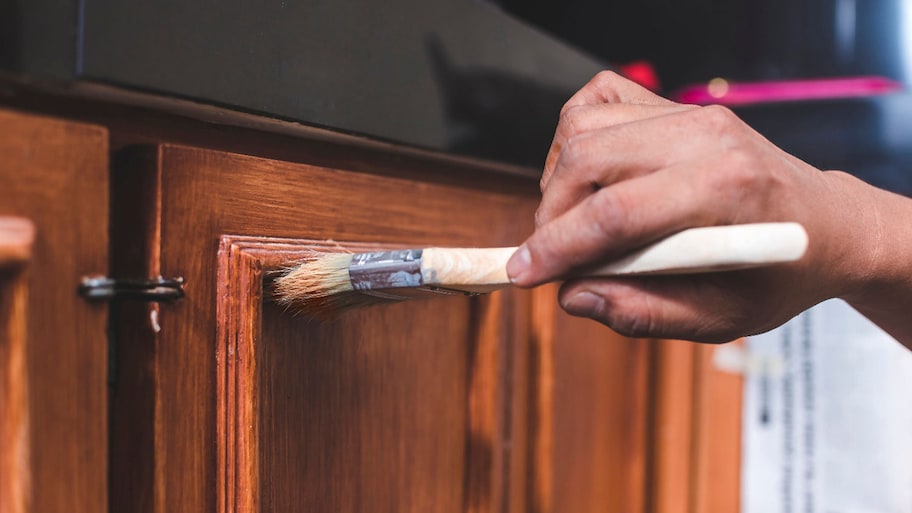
<point x="322" y="288"/>
<point x="313" y="282"/>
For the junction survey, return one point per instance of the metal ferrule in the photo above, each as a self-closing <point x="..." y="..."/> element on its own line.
<point x="386" y="270"/>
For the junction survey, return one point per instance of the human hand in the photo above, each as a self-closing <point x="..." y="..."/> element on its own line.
<point x="627" y="168"/>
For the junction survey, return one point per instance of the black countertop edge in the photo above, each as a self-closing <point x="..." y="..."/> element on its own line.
<point x="15" y="84"/>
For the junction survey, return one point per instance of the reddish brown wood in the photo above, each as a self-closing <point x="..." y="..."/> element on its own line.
<point x="413" y="406"/>
<point x="16" y="238"/>
<point x="541" y="406"/>
<point x="478" y="463"/>
<point x="557" y="414"/>
<point x="600" y="412"/>
<point x="673" y="400"/>
<point x="495" y="404"/>
<point x="719" y="396"/>
<point x="15" y="471"/>
<point x="696" y="436"/>
<point x="55" y="173"/>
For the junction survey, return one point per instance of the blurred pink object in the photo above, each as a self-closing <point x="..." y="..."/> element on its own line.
<point x="721" y="91"/>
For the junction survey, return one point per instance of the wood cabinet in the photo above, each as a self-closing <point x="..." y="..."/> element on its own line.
<point x="222" y="401"/>
<point x="400" y="407"/>
<point x="53" y="344"/>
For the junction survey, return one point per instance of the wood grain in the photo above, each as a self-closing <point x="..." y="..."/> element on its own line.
<point x="258" y="476"/>
<point x="412" y="406"/>
<point x="494" y="404"/>
<point x="719" y="399"/>
<point x="599" y="413"/>
<point x="696" y="435"/>
<point x="16" y="238"/>
<point x="55" y="174"/>
<point x="15" y="468"/>
<point x="672" y="478"/>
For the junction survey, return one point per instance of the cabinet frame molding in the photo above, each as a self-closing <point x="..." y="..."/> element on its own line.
<point x="245" y="265"/>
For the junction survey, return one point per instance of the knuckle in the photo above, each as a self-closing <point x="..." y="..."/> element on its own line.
<point x="741" y="172"/>
<point x="605" y="78"/>
<point x="611" y="214"/>
<point x="718" y="117"/>
<point x="570" y="120"/>
<point x="572" y="152"/>
<point x="541" y="217"/>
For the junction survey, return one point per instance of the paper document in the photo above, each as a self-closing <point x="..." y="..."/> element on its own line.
<point x="827" y="417"/>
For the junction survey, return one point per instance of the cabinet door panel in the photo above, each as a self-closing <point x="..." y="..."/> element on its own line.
<point x="55" y="173"/>
<point x="366" y="411"/>
<point x="397" y="407"/>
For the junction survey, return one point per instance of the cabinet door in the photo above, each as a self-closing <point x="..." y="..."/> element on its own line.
<point x="55" y="174"/>
<point x="226" y="402"/>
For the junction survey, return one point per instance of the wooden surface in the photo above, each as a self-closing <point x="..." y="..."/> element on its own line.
<point x="416" y="406"/>
<point x="339" y="434"/>
<point x="717" y="435"/>
<point x="16" y="237"/>
<point x="696" y="437"/>
<point x="55" y="173"/>
<point x="600" y="417"/>
<point x="227" y="403"/>
<point x="502" y="403"/>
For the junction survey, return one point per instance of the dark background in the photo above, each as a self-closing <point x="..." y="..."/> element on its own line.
<point x="692" y="41"/>
<point x="480" y="78"/>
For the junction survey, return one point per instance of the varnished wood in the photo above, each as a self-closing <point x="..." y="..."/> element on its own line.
<point x="559" y="414"/>
<point x="600" y="413"/>
<point x="15" y="469"/>
<point x="54" y="173"/>
<point x="540" y="495"/>
<point x="16" y="238"/>
<point x="672" y="450"/>
<point x="696" y="435"/>
<point x="243" y="262"/>
<point x="719" y="400"/>
<point x="438" y="437"/>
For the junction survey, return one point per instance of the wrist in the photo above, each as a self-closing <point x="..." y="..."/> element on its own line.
<point x="878" y="269"/>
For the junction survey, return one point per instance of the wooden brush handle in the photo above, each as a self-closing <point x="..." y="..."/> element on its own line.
<point x="715" y="248"/>
<point x="695" y="250"/>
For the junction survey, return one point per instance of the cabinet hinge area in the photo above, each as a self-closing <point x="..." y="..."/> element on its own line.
<point x="103" y="288"/>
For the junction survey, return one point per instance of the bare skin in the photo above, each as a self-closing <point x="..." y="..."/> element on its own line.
<point x="627" y="167"/>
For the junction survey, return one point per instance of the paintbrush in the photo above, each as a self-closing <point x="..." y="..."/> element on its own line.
<point x="334" y="282"/>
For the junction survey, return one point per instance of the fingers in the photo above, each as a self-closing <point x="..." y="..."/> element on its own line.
<point x="599" y="158"/>
<point x="581" y="119"/>
<point x="681" y="307"/>
<point x="616" y="220"/>
<point x="609" y="87"/>
<point x="606" y="88"/>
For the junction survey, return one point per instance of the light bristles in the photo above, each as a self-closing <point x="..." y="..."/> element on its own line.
<point x="312" y="286"/>
<point x="321" y="288"/>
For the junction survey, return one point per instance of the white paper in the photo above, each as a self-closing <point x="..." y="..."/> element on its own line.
<point x="827" y="417"/>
